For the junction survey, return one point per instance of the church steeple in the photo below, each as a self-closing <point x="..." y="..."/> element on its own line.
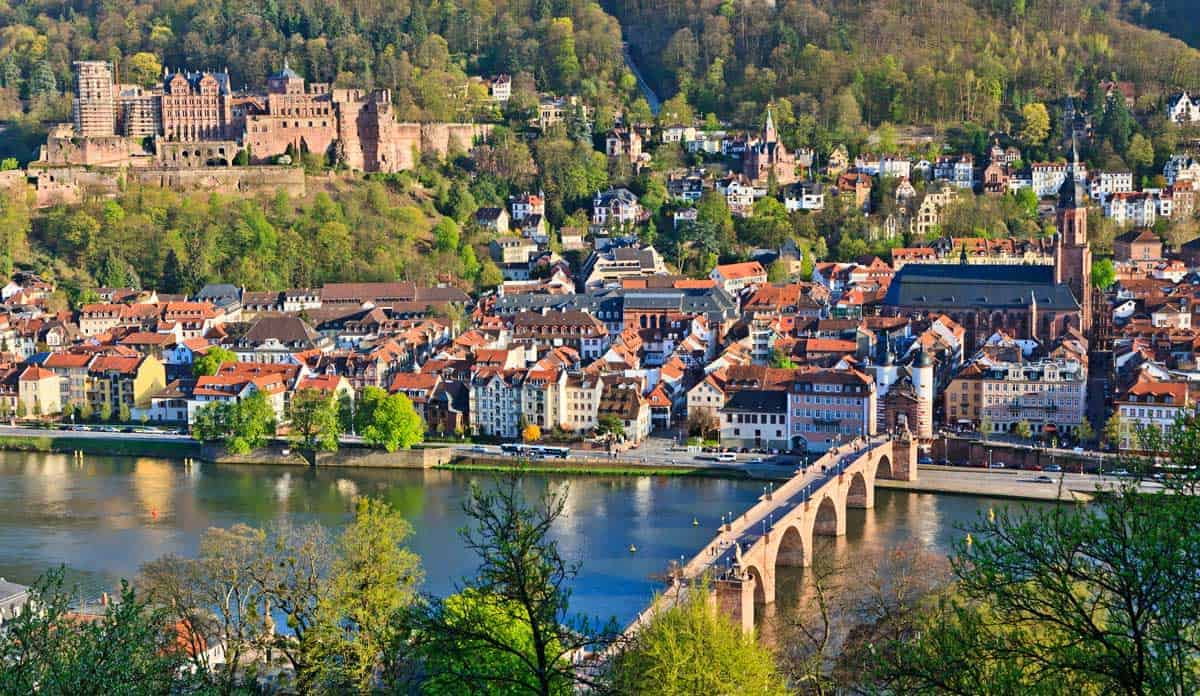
<point x="769" y="133"/>
<point x="1072" y="255"/>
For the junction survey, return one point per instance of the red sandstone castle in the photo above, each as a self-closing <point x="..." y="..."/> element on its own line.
<point x="196" y="120"/>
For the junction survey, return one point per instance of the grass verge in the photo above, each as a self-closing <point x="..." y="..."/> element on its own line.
<point x="537" y="467"/>
<point x="101" y="446"/>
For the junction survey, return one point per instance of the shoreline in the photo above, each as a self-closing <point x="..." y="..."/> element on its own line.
<point x="179" y="448"/>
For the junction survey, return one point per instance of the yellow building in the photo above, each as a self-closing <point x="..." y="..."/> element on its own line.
<point x="119" y="380"/>
<point x="39" y="391"/>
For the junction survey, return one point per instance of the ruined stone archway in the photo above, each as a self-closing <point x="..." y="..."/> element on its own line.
<point x="791" y="548"/>
<point x="826" y="521"/>
<point x="860" y="494"/>
<point x="883" y="470"/>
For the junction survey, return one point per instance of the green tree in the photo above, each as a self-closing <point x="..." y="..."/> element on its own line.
<point x="211" y="360"/>
<point x="360" y="619"/>
<point x="388" y="420"/>
<point x="778" y="271"/>
<point x="473" y="663"/>
<point x="42" y="81"/>
<point x="610" y="426"/>
<point x="490" y="275"/>
<point x="1085" y="432"/>
<point x="143" y="69"/>
<point x="1112" y="429"/>
<point x="313" y="416"/>
<point x="782" y="360"/>
<point x="1104" y="274"/>
<point x="521" y="573"/>
<point x="1091" y="599"/>
<point x="1141" y="152"/>
<point x="128" y="650"/>
<point x="1023" y="430"/>
<point x="1035" y="123"/>
<point x="446" y="235"/>
<point x="123" y="413"/>
<point x="693" y="648"/>
<point x="219" y="594"/>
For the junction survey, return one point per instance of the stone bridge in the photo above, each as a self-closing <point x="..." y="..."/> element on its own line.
<point x="781" y="528"/>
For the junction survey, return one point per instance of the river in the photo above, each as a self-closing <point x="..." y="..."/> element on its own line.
<point x="104" y="517"/>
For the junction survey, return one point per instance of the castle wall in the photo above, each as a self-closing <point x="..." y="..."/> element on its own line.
<point x="69" y="184"/>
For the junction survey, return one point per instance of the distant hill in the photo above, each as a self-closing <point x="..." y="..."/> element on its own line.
<point x="902" y="61"/>
<point x="1178" y="18"/>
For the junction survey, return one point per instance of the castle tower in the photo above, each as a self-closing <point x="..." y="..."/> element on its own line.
<point x="1072" y="255"/>
<point x="94" y="108"/>
<point x="922" y="381"/>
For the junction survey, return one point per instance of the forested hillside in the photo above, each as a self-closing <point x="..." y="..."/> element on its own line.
<point x="1176" y="17"/>
<point x="902" y="61"/>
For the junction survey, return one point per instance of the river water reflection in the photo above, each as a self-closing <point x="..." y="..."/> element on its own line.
<point x="104" y="517"/>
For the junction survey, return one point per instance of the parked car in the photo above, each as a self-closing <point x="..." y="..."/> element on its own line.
<point x="925" y="461"/>
<point x="943" y="462"/>
<point x="999" y="465"/>
<point x="1053" y="468"/>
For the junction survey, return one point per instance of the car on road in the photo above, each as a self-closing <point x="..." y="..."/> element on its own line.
<point x="479" y="448"/>
<point x="1120" y="472"/>
<point x="998" y="465"/>
<point x="943" y="462"/>
<point x="1044" y="479"/>
<point x="925" y="461"/>
<point x="727" y="457"/>
<point x="1053" y="468"/>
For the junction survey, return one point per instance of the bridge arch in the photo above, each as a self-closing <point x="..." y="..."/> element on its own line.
<point x="793" y="548"/>
<point x="828" y="518"/>
<point x="883" y="469"/>
<point x="760" y="586"/>
<point x="861" y="493"/>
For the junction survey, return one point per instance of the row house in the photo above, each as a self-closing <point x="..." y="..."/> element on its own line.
<point x="1182" y="108"/>
<point x="827" y="407"/>
<point x="572" y="328"/>
<point x="1181" y="168"/>
<point x="858" y="185"/>
<point x="756" y="418"/>
<point x="495" y="403"/>
<point x="688" y="188"/>
<point x="735" y="277"/>
<point x="419" y="387"/>
<point x="237" y="381"/>
<point x="622" y="399"/>
<point x="929" y="214"/>
<point x="527" y="204"/>
<point x="804" y="195"/>
<point x="1103" y="184"/>
<point x="1050" y="395"/>
<point x="958" y="170"/>
<point x="120" y="382"/>
<point x="1138" y="209"/>
<point x="1048" y="177"/>
<point x="581" y="401"/>
<point x="740" y="193"/>
<point x="1151" y="406"/>
<point x="615" y="208"/>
